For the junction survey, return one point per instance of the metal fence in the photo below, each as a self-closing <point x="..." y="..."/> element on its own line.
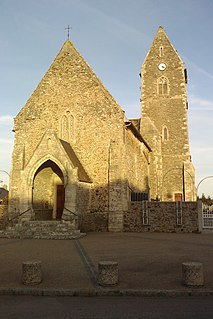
<point x="139" y="197"/>
<point x="207" y="212"/>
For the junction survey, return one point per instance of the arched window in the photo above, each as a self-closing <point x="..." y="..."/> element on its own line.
<point x="67" y="129"/>
<point x="72" y="127"/>
<point x="163" y="86"/>
<point x="64" y="128"/>
<point x="165" y="134"/>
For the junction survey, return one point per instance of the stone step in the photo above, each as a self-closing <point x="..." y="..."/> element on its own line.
<point x="41" y="230"/>
<point x="9" y="234"/>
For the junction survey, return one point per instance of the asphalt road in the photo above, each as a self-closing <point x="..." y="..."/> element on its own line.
<point x="24" y="307"/>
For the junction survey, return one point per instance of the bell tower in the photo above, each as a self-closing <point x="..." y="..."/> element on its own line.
<point x="164" y="122"/>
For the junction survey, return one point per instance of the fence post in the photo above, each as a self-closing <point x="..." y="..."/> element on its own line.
<point x="200" y="215"/>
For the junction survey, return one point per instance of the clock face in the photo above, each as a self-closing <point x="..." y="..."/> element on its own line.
<point x="162" y="66"/>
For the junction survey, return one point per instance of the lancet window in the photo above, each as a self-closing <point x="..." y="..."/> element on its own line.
<point x="67" y="129"/>
<point x="163" y="86"/>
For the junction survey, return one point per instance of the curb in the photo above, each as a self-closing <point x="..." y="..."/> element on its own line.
<point x="51" y="292"/>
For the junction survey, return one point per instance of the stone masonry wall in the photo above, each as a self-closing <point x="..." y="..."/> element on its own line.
<point x="136" y="163"/>
<point x="162" y="217"/>
<point x="89" y="221"/>
<point x="3" y="215"/>
<point x="94" y="222"/>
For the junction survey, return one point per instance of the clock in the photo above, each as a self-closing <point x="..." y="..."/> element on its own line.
<point x="162" y="66"/>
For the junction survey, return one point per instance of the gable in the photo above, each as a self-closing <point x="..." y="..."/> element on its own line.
<point x="69" y="83"/>
<point x="60" y="152"/>
<point x="162" y="72"/>
<point x="161" y="47"/>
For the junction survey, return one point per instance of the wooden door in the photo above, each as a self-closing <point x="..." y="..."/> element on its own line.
<point x="178" y="197"/>
<point x="60" y="200"/>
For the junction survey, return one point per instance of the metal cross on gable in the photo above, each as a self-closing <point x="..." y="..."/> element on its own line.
<point x="68" y="31"/>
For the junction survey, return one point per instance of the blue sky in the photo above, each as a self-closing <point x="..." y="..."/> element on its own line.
<point x="114" y="37"/>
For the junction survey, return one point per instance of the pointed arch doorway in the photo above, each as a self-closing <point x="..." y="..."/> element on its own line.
<point x="48" y="194"/>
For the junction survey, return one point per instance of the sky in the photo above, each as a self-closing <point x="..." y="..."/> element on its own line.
<point x="114" y="37"/>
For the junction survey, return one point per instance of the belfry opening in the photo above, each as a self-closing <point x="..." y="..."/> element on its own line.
<point x="48" y="192"/>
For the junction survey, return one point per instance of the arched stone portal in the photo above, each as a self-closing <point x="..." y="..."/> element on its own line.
<point x="48" y="192"/>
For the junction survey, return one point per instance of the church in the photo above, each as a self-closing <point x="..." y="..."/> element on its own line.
<point x="78" y="159"/>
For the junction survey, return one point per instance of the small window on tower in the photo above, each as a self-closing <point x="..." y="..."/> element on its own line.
<point x="165" y="134"/>
<point x="161" y="51"/>
<point x="163" y="86"/>
<point x="185" y="75"/>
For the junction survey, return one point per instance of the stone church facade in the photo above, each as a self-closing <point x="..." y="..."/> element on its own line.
<point x="77" y="158"/>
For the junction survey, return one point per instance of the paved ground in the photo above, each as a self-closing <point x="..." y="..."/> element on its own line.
<point x="146" y="261"/>
<point x="106" y="307"/>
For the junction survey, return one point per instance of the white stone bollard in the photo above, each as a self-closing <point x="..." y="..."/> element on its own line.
<point x="107" y="273"/>
<point x="192" y="274"/>
<point x="31" y="272"/>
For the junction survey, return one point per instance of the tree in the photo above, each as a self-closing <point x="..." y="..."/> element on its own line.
<point x="208" y="201"/>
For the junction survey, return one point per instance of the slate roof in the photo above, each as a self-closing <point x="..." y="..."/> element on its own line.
<point x="134" y="130"/>
<point x="3" y="193"/>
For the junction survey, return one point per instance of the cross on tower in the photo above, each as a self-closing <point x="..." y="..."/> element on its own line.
<point x="68" y="31"/>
